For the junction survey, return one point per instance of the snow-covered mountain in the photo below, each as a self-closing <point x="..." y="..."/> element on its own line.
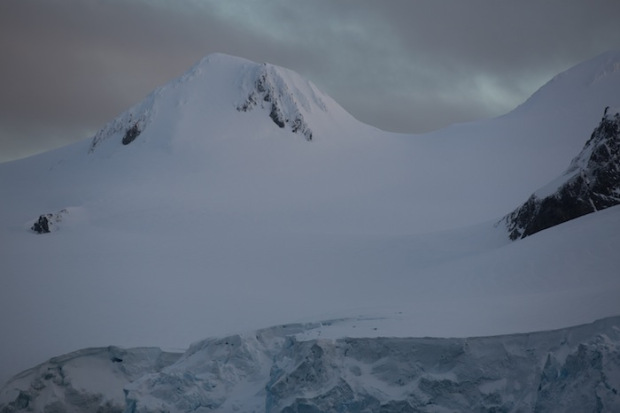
<point x="240" y="196"/>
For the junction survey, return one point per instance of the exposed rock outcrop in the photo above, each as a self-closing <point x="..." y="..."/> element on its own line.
<point x="129" y="125"/>
<point x="47" y="223"/>
<point x="591" y="183"/>
<point x="131" y="134"/>
<point x="42" y="226"/>
<point x="271" y="92"/>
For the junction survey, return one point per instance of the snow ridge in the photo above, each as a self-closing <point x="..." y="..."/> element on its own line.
<point x="129" y="124"/>
<point x="598" y="75"/>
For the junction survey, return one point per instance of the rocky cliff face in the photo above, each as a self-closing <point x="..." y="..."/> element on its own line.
<point x="276" y="370"/>
<point x="591" y="183"/>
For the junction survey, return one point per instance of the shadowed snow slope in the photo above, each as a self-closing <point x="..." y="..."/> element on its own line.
<point x="239" y="196"/>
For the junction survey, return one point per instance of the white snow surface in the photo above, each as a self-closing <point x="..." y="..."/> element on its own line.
<point x="215" y="220"/>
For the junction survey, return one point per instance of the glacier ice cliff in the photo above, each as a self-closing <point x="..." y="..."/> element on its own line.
<point x="88" y="380"/>
<point x="277" y="370"/>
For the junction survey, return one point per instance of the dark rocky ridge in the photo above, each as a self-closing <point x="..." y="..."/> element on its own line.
<point x="592" y="184"/>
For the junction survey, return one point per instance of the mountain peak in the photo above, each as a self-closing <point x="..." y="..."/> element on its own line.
<point x="207" y="92"/>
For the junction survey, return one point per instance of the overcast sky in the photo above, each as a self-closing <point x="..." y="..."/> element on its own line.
<point x="69" y="66"/>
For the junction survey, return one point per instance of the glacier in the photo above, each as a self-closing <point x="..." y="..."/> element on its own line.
<point x="291" y="368"/>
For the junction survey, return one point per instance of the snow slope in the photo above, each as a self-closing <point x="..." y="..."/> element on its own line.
<point x="222" y="215"/>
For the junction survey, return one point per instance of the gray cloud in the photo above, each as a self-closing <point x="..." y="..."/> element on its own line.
<point x="71" y="65"/>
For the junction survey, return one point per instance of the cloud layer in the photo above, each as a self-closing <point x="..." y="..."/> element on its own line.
<point x="71" y="65"/>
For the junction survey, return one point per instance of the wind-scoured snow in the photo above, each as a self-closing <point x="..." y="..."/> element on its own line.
<point x="189" y="218"/>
